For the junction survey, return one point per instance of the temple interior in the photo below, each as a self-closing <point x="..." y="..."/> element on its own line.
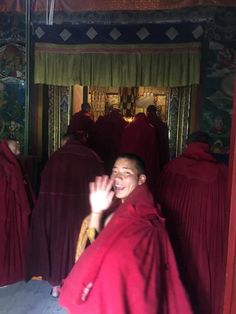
<point x="178" y="55"/>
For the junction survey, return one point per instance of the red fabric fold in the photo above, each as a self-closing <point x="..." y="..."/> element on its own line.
<point x="193" y="196"/>
<point x="161" y="137"/>
<point x="62" y="204"/>
<point x="130" y="268"/>
<point x="14" y="218"/>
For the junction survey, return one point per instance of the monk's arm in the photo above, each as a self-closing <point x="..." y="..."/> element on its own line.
<point x="95" y="220"/>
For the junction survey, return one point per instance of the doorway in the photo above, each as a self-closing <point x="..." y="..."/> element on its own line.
<point x="177" y="107"/>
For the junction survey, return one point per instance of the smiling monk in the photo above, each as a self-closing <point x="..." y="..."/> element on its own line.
<point x="130" y="267"/>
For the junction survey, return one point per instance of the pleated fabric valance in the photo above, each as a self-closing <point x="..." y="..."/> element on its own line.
<point x="163" y="65"/>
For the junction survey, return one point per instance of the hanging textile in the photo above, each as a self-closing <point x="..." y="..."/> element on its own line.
<point x="149" y="65"/>
<point x="178" y="119"/>
<point x="134" y="5"/>
<point x="118" y="55"/>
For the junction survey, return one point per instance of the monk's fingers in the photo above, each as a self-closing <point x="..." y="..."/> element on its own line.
<point x="109" y="184"/>
<point x="97" y="183"/>
<point x="110" y="196"/>
<point x="101" y="184"/>
<point x="104" y="182"/>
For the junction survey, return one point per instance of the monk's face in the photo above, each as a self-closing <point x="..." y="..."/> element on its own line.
<point x="126" y="178"/>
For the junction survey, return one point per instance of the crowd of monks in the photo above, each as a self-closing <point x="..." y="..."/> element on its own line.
<point x="39" y="236"/>
<point x="146" y="136"/>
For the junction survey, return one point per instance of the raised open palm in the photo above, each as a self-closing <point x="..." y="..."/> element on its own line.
<point x="101" y="194"/>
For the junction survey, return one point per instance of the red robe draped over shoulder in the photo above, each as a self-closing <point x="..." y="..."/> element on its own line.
<point x="129" y="268"/>
<point x="62" y="204"/>
<point x="14" y="218"/>
<point x="193" y="196"/>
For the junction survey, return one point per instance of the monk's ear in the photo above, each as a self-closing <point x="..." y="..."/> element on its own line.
<point x="141" y="179"/>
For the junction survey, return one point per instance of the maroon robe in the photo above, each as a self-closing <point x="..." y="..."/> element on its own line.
<point x="129" y="268"/>
<point x="62" y="204"/>
<point x="194" y="201"/>
<point x="139" y="137"/>
<point x="14" y="218"/>
<point x="161" y="136"/>
<point x="107" y="135"/>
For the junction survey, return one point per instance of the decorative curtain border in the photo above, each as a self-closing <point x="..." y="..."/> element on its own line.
<point x="119" y="34"/>
<point x="133" y="5"/>
<point x="167" y="65"/>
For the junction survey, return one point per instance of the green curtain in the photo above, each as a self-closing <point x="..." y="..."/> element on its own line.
<point x="123" y="65"/>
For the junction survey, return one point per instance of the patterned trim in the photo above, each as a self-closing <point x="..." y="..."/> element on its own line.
<point x="119" y="34"/>
<point x="74" y="50"/>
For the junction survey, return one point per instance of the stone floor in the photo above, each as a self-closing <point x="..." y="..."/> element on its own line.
<point x="32" y="297"/>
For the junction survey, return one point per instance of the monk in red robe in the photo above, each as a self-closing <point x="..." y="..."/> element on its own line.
<point x="14" y="215"/>
<point x="161" y="134"/>
<point x="139" y="137"/>
<point x="82" y="121"/>
<point x="107" y="134"/>
<point x="130" y="267"/>
<point x="194" y="200"/>
<point x="62" y="204"/>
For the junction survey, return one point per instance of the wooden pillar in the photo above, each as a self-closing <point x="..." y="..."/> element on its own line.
<point x="77" y="98"/>
<point x="230" y="283"/>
